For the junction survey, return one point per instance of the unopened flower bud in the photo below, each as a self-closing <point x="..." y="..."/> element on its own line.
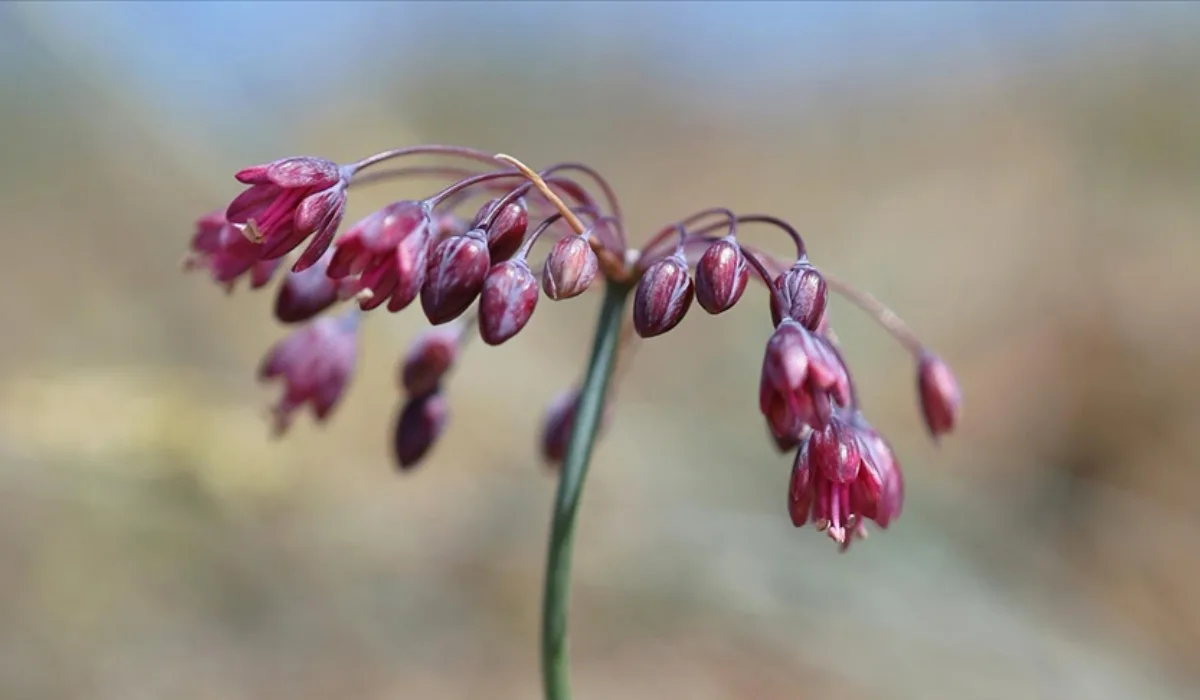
<point x="457" y="268"/>
<point x="507" y="230"/>
<point x="941" y="400"/>
<point x="570" y="268"/>
<point x="303" y="295"/>
<point x="557" y="424"/>
<point x="509" y="296"/>
<point x="421" y="422"/>
<point x="804" y="293"/>
<point x="428" y="359"/>
<point x="721" y="276"/>
<point x="663" y="297"/>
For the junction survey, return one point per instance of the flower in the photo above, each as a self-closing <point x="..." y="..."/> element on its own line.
<point x="941" y="399"/>
<point x="802" y="375"/>
<point x="843" y="474"/>
<point x="315" y="363"/>
<point x="428" y="359"/>
<point x="289" y="200"/>
<point x="455" y="273"/>
<point x="385" y="255"/>
<point x="570" y="268"/>
<point x="663" y="296"/>
<point x="721" y="276"/>
<point x="804" y="294"/>
<point x="421" y="421"/>
<point x="303" y="295"/>
<point x="218" y="247"/>
<point x="507" y="302"/>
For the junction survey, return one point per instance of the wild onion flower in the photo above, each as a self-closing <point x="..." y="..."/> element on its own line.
<point x="477" y="273"/>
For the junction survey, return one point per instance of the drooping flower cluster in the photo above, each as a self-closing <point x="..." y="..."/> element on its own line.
<point x="476" y="273"/>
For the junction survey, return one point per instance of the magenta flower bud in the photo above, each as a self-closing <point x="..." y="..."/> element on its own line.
<point x="428" y="359"/>
<point x="509" y="296"/>
<point x="385" y="256"/>
<point x="663" y="296"/>
<point x="557" y="424"/>
<point x="507" y="231"/>
<point x="421" y="422"/>
<point x="570" y="268"/>
<point x="316" y="363"/>
<point x="804" y="293"/>
<point x="455" y="275"/>
<point x="288" y="201"/>
<point x="721" y="276"/>
<point x="305" y="294"/>
<point x="941" y="400"/>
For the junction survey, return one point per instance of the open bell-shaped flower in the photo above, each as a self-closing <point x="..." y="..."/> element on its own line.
<point x="288" y="201"/>
<point x="507" y="302"/>
<point x="663" y="296"/>
<point x="315" y="363"/>
<point x="456" y="270"/>
<point x="385" y="256"/>
<point x="721" y="276"/>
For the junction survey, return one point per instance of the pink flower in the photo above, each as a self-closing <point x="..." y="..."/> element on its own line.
<point x="801" y="376"/>
<point x="941" y="399"/>
<point x="316" y="363"/>
<point x="385" y="255"/>
<point x="844" y="474"/>
<point x="288" y="201"/>
<point x="226" y="254"/>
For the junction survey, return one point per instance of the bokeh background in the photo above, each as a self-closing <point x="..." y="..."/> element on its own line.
<point x="1020" y="181"/>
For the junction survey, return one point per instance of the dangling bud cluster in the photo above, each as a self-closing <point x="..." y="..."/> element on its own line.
<point x="474" y="268"/>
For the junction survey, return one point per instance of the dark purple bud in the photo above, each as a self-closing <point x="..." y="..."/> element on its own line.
<point x="557" y="424"/>
<point x="509" y="296"/>
<point x="721" y="276"/>
<point x="428" y="359"/>
<point x="941" y="400"/>
<point x="507" y="230"/>
<point x="303" y="295"/>
<point x="663" y="297"/>
<point x="570" y="268"/>
<point x="421" y="422"/>
<point x="457" y="268"/>
<point x="804" y="293"/>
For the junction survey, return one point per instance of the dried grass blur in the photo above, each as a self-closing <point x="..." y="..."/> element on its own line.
<point x="1036" y="219"/>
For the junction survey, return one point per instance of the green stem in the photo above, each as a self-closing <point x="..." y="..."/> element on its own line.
<point x="556" y="595"/>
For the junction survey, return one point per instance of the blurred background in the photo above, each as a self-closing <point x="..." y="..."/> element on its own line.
<point x="1019" y="181"/>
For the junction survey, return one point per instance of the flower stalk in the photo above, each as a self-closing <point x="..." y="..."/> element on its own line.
<point x="557" y="587"/>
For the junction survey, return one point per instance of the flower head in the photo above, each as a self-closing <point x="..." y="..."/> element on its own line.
<point x="385" y="255"/>
<point x="663" y="296"/>
<point x="289" y="200"/>
<point x="507" y="302"/>
<point x="315" y="364"/>
<point x="303" y="295"/>
<point x="421" y="421"/>
<point x="570" y="268"/>
<point x="428" y="359"/>
<point x="721" y="276"/>
<point x="455" y="273"/>
<point x="941" y="399"/>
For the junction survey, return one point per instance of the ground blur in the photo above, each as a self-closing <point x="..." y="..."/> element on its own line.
<point x="1018" y="181"/>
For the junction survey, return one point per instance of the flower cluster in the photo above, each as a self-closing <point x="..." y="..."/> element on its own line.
<point x="477" y="272"/>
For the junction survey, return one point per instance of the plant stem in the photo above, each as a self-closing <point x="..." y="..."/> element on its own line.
<point x="556" y="594"/>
